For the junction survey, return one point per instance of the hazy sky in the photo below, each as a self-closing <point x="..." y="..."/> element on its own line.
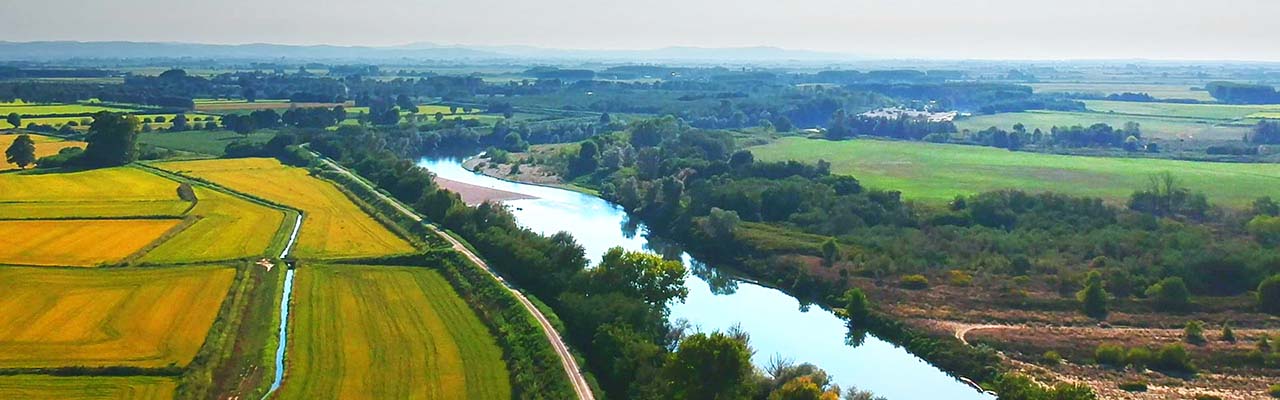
<point x="1018" y="29"/>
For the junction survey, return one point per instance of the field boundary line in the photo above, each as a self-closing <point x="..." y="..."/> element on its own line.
<point x="567" y="360"/>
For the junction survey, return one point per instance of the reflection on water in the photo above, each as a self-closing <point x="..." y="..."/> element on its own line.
<point x="779" y="324"/>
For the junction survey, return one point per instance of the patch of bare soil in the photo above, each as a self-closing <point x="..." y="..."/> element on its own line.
<point x="472" y="194"/>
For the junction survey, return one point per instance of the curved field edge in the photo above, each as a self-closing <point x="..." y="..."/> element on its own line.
<point x="415" y="338"/>
<point x="938" y="172"/>
<point x="336" y="227"/>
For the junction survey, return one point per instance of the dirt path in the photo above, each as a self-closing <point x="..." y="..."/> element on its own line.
<point x="567" y="361"/>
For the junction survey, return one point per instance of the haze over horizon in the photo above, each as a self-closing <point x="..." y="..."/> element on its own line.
<point x="982" y="29"/>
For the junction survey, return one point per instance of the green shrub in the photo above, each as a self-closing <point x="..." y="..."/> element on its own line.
<point x="1138" y="357"/>
<point x="1194" y="332"/>
<point x="1173" y="358"/>
<point x="1228" y="335"/>
<point x="1133" y="386"/>
<point x="1170" y="294"/>
<point x="914" y="282"/>
<point x="1274" y="391"/>
<point x="1051" y="358"/>
<point x="1109" y="354"/>
<point x="1269" y="295"/>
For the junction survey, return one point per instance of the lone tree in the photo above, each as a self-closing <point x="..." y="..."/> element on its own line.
<point x="1093" y="299"/>
<point x="830" y="252"/>
<point x="113" y="140"/>
<point x="14" y="119"/>
<point x="1269" y="295"/>
<point x="22" y="152"/>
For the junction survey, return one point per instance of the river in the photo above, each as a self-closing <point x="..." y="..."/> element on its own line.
<point x="777" y="323"/>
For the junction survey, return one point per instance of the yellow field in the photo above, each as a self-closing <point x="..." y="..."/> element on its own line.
<point x="143" y="317"/>
<point x="40" y="387"/>
<point x="228" y="228"/>
<point x="45" y="146"/>
<point x="94" y="209"/>
<point x="77" y="243"/>
<point x="388" y="332"/>
<point x="333" y="225"/>
<point x="114" y="184"/>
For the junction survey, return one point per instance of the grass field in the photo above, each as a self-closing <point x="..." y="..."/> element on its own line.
<point x="204" y="142"/>
<point x="1157" y="127"/>
<point x="228" y="227"/>
<point x="335" y="227"/>
<point x="229" y="106"/>
<point x="77" y="243"/>
<point x="42" y="387"/>
<point x="45" y="146"/>
<point x="938" y="172"/>
<point x="145" y="317"/>
<point x="1171" y="91"/>
<point x="1228" y="112"/>
<point x="389" y="332"/>
<point x="97" y="185"/>
<point x="46" y="109"/>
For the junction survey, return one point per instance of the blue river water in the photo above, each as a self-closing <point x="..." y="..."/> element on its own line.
<point x="778" y="325"/>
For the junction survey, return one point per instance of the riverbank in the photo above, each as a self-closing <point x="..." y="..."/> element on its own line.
<point x="1024" y="319"/>
<point x="718" y="301"/>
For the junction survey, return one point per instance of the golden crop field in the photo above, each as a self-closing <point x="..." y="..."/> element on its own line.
<point x="97" y="185"/>
<point x="228" y="227"/>
<point x="93" y="209"/>
<point x="77" y="243"/>
<point x="388" y="332"/>
<point x="45" y="146"/>
<point x="143" y="317"/>
<point x="333" y="226"/>
<point x="41" y="387"/>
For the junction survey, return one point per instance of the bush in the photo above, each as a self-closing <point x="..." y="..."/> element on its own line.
<point x="1051" y="358"/>
<point x="1274" y="391"/>
<point x="914" y="282"/>
<point x="1171" y="294"/>
<point x="1138" y="357"/>
<point x="959" y="278"/>
<point x="1133" y="386"/>
<point x="1173" y="358"/>
<point x="1269" y="295"/>
<point x="1109" y="354"/>
<point x="1194" y="332"/>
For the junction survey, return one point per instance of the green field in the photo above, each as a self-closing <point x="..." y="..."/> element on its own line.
<point x="39" y="387"/>
<point x="204" y="142"/>
<point x="1154" y="127"/>
<point x="388" y="332"/>
<point x="46" y="109"/>
<point x="1227" y="112"/>
<point x="938" y="172"/>
<point x="1169" y="91"/>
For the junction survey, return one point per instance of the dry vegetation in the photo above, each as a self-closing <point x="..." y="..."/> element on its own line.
<point x="40" y="387"/>
<point x="133" y="317"/>
<point x="226" y="227"/>
<point x="80" y="243"/>
<point x="335" y="227"/>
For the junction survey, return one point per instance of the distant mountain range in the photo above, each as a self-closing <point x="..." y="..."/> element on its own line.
<point x="66" y="50"/>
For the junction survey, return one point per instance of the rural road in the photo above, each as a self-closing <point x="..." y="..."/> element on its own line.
<point x="570" y="364"/>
